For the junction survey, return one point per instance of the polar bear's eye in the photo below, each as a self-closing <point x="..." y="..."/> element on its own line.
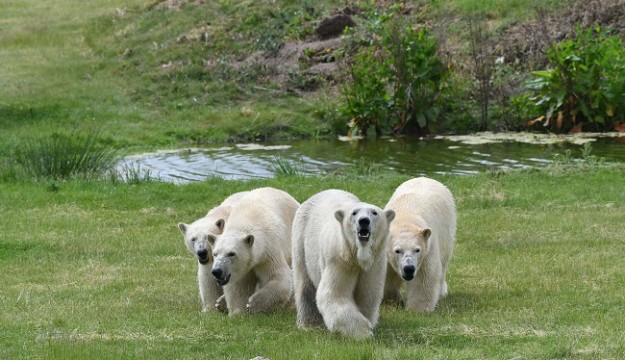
<point x="230" y="254"/>
<point x="354" y="213"/>
<point x="397" y="251"/>
<point x="375" y="213"/>
<point x="417" y="250"/>
<point x="193" y="239"/>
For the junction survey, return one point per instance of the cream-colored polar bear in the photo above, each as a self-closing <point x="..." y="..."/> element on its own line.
<point x="339" y="262"/>
<point x="195" y="238"/>
<point x="422" y="239"/>
<point x="253" y="254"/>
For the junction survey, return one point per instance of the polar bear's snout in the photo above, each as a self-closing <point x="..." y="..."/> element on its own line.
<point x="202" y="256"/>
<point x="408" y="272"/>
<point x="220" y="275"/>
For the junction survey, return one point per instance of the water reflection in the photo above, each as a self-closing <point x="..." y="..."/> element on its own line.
<point x="406" y="156"/>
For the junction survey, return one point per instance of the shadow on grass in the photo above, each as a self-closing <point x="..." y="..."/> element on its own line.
<point x="18" y="115"/>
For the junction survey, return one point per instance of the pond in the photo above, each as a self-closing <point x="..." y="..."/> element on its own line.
<point x="415" y="157"/>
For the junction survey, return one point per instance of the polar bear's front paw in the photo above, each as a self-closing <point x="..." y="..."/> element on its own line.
<point x="355" y="328"/>
<point x="220" y="304"/>
<point x="259" y="303"/>
<point x="254" y="307"/>
<point x="359" y="332"/>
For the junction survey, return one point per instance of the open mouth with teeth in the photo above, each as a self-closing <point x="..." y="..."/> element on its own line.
<point x="364" y="234"/>
<point x="224" y="281"/>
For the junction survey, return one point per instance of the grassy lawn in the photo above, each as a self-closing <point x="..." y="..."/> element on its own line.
<point x="98" y="270"/>
<point x="65" y="67"/>
<point x="119" y="67"/>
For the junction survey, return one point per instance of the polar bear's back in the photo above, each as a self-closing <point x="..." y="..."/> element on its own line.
<point x="221" y="211"/>
<point x="234" y="198"/>
<point x="268" y="212"/>
<point x="425" y="196"/>
<point x="277" y="201"/>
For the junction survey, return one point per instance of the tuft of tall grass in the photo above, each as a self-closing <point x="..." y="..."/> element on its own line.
<point x="64" y="156"/>
<point x="283" y="167"/>
<point x="568" y="162"/>
<point x="132" y="173"/>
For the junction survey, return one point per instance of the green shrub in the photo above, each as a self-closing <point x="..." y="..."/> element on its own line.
<point x="416" y="74"/>
<point x="394" y="81"/>
<point x="64" y="156"/>
<point x="365" y="97"/>
<point x="586" y="84"/>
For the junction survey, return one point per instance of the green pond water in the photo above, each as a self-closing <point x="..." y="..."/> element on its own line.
<point x="415" y="157"/>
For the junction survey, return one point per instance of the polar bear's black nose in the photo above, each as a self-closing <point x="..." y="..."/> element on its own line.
<point x="217" y="273"/>
<point x="409" y="269"/>
<point x="364" y="222"/>
<point x="202" y="254"/>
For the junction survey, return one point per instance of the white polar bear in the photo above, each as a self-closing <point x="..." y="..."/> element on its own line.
<point x="195" y="238"/>
<point x="422" y="239"/>
<point x="253" y="254"/>
<point x="339" y="262"/>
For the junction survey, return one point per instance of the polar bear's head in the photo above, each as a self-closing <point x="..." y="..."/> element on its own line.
<point x="195" y="234"/>
<point x="232" y="252"/>
<point x="365" y="228"/>
<point x="407" y="250"/>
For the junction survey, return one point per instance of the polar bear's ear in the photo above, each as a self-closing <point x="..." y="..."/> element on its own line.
<point x="339" y="215"/>
<point x="220" y="224"/>
<point x="426" y="232"/>
<point x="390" y="215"/>
<point x="249" y="240"/>
<point x="183" y="228"/>
<point x="211" y="239"/>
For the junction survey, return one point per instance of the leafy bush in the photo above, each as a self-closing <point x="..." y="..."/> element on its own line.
<point x="365" y="96"/>
<point x="63" y="156"/>
<point x="586" y="84"/>
<point x="393" y="81"/>
<point x="416" y="74"/>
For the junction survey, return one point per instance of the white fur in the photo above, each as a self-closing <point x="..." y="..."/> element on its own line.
<point x="423" y="234"/>
<point x="339" y="280"/>
<point x="253" y="254"/>
<point x="195" y="238"/>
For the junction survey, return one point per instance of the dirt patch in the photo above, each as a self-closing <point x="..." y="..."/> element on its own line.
<point x="526" y="43"/>
<point x="307" y="59"/>
<point x="174" y="4"/>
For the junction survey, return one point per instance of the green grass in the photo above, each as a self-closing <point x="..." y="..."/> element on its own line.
<point x="99" y="270"/>
<point x="72" y="65"/>
<point x="120" y="67"/>
<point x="500" y="11"/>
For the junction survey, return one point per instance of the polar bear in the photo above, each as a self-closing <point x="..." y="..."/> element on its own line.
<point x="195" y="238"/>
<point x="339" y="262"/>
<point x="253" y="254"/>
<point x="422" y="239"/>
